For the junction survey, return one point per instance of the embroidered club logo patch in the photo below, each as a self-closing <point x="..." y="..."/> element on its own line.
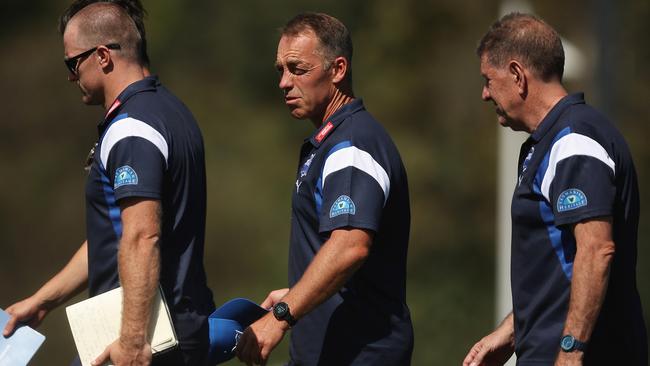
<point x="125" y="176"/>
<point x="571" y="199"/>
<point x="343" y="205"/>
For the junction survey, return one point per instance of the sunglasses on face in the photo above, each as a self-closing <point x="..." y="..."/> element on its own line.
<point x="72" y="63"/>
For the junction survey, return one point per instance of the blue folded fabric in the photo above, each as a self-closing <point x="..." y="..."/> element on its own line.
<point x="227" y="323"/>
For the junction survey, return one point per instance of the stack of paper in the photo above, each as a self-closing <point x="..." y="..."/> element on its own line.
<point x="95" y="323"/>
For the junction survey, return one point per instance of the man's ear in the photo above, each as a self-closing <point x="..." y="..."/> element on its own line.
<point x="518" y="74"/>
<point x="104" y="57"/>
<point x="339" y="69"/>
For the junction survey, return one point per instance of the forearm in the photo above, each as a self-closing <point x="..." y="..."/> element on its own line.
<point x="588" y="289"/>
<point x="139" y="267"/>
<point x="70" y="281"/>
<point x="334" y="264"/>
<point x="139" y="263"/>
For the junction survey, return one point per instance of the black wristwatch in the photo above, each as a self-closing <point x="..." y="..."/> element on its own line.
<point x="281" y="312"/>
<point x="570" y="344"/>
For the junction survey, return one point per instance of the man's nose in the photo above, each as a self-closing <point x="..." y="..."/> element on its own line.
<point x="485" y="94"/>
<point x="286" y="82"/>
<point x="72" y="77"/>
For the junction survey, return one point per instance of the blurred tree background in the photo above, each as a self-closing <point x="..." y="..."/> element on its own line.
<point x="415" y="67"/>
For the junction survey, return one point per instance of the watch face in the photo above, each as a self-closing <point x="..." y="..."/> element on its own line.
<point x="280" y="310"/>
<point x="567" y="343"/>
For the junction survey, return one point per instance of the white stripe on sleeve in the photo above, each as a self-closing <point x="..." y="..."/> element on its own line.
<point x="571" y="145"/>
<point x="354" y="157"/>
<point x="131" y="127"/>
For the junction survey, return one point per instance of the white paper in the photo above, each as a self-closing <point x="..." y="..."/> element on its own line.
<point x="21" y="346"/>
<point x="95" y="323"/>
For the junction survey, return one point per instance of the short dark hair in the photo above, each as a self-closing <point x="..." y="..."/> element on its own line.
<point x="133" y="8"/>
<point x="334" y="37"/>
<point x="529" y="39"/>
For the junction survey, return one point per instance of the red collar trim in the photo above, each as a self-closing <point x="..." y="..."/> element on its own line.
<point x="113" y="107"/>
<point x="324" y="132"/>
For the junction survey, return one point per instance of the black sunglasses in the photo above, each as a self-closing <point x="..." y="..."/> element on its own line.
<point x="72" y="62"/>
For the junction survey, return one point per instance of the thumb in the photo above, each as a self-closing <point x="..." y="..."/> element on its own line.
<point x="10" y="327"/>
<point x="104" y="357"/>
<point x="268" y="302"/>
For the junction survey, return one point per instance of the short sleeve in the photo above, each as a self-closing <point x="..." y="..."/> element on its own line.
<point x="134" y="156"/>
<point x="354" y="188"/>
<point x="582" y="185"/>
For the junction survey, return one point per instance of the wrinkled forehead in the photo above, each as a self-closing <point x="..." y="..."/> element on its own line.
<point x="487" y="67"/>
<point x="303" y="46"/>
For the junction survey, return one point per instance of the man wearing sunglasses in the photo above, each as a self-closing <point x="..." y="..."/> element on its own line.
<point x="145" y="195"/>
<point x="135" y="10"/>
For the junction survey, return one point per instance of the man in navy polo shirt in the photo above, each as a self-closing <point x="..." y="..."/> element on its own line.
<point x="575" y="213"/>
<point x="145" y="196"/>
<point x="350" y="218"/>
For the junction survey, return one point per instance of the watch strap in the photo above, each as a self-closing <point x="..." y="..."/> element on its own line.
<point x="579" y="346"/>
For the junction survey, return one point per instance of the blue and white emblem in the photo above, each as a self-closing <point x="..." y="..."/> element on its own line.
<point x="524" y="165"/>
<point x="125" y="176"/>
<point x="343" y="205"/>
<point x="305" y="166"/>
<point x="570" y="200"/>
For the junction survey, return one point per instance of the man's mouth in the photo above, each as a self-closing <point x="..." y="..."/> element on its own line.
<point x="290" y="100"/>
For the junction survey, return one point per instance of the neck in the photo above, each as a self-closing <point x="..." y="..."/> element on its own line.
<point x="117" y="82"/>
<point x="546" y="98"/>
<point x="339" y="99"/>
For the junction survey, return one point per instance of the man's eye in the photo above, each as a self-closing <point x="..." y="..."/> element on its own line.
<point x="297" y="70"/>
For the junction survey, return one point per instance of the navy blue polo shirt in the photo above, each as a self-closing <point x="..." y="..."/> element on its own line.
<point x="576" y="166"/>
<point x="151" y="147"/>
<point x="350" y="175"/>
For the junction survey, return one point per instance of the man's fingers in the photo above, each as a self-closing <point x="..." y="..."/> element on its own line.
<point x="471" y="358"/>
<point x="268" y="302"/>
<point x="264" y="357"/>
<point x="242" y="348"/>
<point x="248" y="355"/>
<point x="257" y="358"/>
<point x="274" y="297"/>
<point x="480" y="351"/>
<point x="251" y="353"/>
<point x="36" y="320"/>
<point x="102" y="358"/>
<point x="9" y="328"/>
<point x="247" y="349"/>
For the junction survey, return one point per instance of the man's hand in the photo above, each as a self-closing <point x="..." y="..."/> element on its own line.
<point x="494" y="349"/>
<point x="569" y="358"/>
<point x="273" y="298"/>
<point x="257" y="342"/>
<point x="68" y="282"/>
<point x="29" y="311"/>
<point x="120" y="354"/>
